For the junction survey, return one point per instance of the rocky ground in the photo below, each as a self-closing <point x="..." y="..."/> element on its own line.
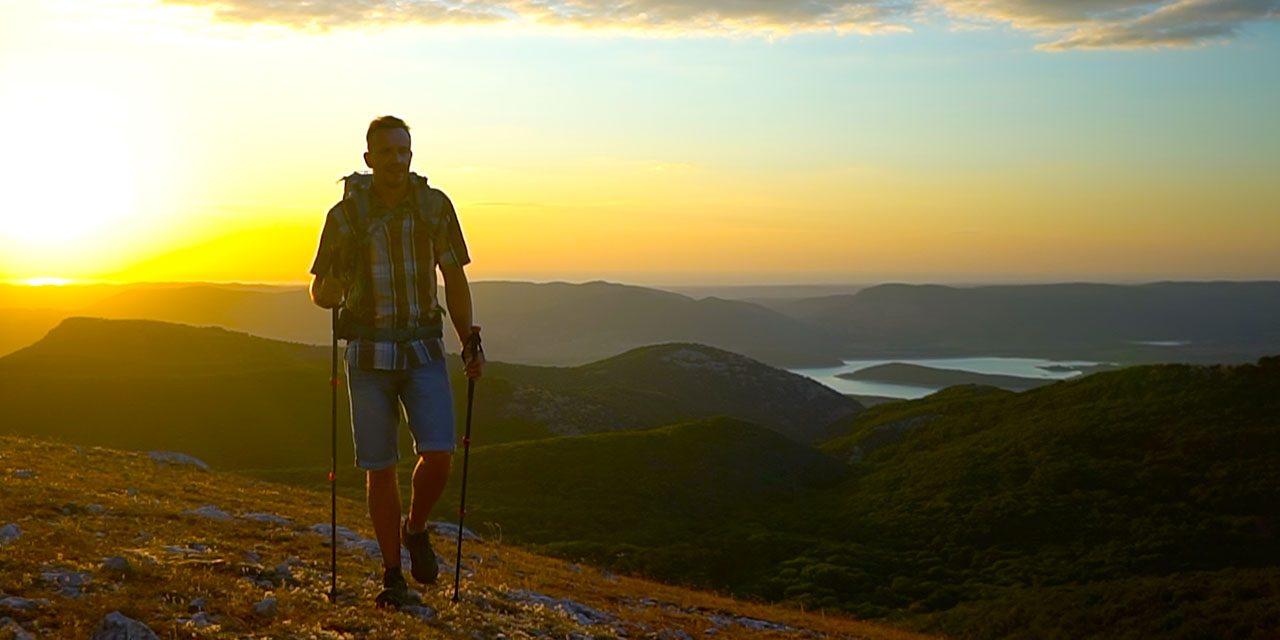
<point x="103" y="544"/>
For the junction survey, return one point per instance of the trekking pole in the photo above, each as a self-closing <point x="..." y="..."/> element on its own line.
<point x="333" y="465"/>
<point x="473" y="345"/>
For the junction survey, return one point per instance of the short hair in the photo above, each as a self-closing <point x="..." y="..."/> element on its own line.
<point x="384" y="122"/>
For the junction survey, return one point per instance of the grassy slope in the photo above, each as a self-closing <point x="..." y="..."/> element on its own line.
<point x="78" y="510"/>
<point x="1115" y="488"/>
<point x="650" y="488"/>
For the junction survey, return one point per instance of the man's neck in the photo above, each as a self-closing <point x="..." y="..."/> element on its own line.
<point x="390" y="196"/>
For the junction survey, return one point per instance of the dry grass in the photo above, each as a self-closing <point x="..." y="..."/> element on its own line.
<point x="86" y="504"/>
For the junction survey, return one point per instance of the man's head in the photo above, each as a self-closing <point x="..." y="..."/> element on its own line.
<point x="389" y="150"/>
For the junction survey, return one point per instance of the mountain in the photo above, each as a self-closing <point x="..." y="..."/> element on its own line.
<point x="559" y="323"/>
<point x="236" y="400"/>
<point x="193" y="553"/>
<point x="548" y="324"/>
<point x="279" y="313"/>
<point x="640" y="388"/>
<point x="145" y="384"/>
<point x="1160" y="322"/>
<point x="21" y="327"/>
<point x="1129" y="503"/>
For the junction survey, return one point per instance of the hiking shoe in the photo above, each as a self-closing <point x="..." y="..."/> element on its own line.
<point x="395" y="591"/>
<point x="422" y="558"/>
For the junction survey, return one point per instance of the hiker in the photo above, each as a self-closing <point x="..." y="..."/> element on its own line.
<point x="377" y="261"/>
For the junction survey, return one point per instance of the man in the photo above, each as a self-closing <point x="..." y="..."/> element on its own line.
<point x="377" y="259"/>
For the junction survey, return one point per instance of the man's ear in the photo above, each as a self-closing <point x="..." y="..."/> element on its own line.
<point x="366" y="160"/>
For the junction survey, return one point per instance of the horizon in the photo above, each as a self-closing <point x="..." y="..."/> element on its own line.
<point x="711" y="145"/>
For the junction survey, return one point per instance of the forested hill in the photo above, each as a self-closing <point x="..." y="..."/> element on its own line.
<point x="1131" y="503"/>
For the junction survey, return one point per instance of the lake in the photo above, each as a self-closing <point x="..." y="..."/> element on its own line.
<point x="1021" y="367"/>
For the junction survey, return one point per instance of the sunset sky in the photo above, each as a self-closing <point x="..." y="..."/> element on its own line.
<point x="653" y="141"/>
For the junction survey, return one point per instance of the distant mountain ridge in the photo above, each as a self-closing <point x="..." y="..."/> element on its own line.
<point x="1221" y="321"/>
<point x="549" y="324"/>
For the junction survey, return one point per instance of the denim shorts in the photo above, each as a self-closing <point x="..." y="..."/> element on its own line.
<point x="377" y="398"/>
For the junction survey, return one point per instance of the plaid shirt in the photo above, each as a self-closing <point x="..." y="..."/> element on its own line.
<point x="402" y="252"/>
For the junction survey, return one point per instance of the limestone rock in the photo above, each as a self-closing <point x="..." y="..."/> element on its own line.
<point x="177" y="459"/>
<point x="268" y="608"/>
<point x="209" y="511"/>
<point x="117" y="626"/>
<point x="9" y="533"/>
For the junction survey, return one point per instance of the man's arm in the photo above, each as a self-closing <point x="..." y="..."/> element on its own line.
<point x="327" y="292"/>
<point x="457" y="298"/>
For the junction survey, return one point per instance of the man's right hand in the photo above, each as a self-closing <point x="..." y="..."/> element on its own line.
<point x="328" y="291"/>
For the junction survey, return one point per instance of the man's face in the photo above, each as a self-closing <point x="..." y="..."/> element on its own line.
<point x="389" y="155"/>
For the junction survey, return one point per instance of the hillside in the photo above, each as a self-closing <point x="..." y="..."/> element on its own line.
<point x="636" y="501"/>
<point x="636" y="389"/>
<point x="192" y="553"/>
<point x="999" y="514"/>
<point x="144" y="384"/>
<point x="1159" y="322"/>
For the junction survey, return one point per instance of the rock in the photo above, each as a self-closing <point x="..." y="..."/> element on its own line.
<point x="578" y="612"/>
<point x="132" y="493"/>
<point x="9" y="533"/>
<point x="674" y="634"/>
<point x="418" y="611"/>
<point x="95" y="509"/>
<point x="712" y="631"/>
<point x="117" y="626"/>
<point x="209" y="511"/>
<point x="68" y="582"/>
<point x="267" y="608"/>
<point x="751" y="623"/>
<point x="177" y="459"/>
<point x="198" y="620"/>
<point x="343" y="532"/>
<point x="24" y="474"/>
<point x="14" y="630"/>
<point x="267" y="517"/>
<point x="450" y="530"/>
<point x="283" y="574"/>
<point x="350" y="540"/>
<point x="253" y="556"/>
<point x="196" y="605"/>
<point x="21" y="604"/>
<point x="116" y="563"/>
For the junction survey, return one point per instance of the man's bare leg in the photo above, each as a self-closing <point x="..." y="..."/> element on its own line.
<point x="382" y="491"/>
<point x="430" y="476"/>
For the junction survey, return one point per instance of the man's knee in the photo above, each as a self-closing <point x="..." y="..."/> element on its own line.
<point x="381" y="477"/>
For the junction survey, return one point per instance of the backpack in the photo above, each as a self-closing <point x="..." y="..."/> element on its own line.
<point x="358" y="216"/>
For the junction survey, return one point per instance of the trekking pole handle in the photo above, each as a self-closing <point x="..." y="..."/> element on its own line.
<point x="471" y="347"/>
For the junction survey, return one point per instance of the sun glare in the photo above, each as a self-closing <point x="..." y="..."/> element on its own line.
<point x="72" y="161"/>
<point x="47" y="282"/>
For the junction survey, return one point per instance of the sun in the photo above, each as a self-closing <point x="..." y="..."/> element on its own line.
<point x="68" y="165"/>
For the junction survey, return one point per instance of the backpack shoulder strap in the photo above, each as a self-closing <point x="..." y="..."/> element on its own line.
<point x="430" y="203"/>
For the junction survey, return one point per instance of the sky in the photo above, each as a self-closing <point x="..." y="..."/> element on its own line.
<point x="653" y="141"/>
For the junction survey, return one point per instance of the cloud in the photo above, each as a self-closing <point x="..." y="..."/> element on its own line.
<point x="1120" y="24"/>
<point x="768" y="17"/>
<point x="1064" y="24"/>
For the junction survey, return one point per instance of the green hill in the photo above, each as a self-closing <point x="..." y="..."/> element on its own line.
<point x="639" y="388"/>
<point x="995" y="514"/>
<point x="645" y="501"/>
<point x="244" y="402"/>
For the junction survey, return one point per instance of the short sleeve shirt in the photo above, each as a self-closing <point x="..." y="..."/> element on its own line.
<point x="403" y="248"/>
